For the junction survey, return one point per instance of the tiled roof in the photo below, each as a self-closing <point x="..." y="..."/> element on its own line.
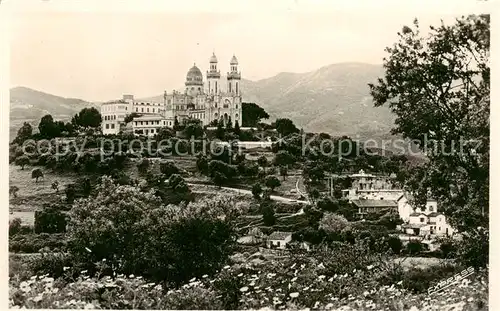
<point x="278" y="235"/>
<point x="417" y="214"/>
<point x="374" y="203"/>
<point x="434" y="214"/>
<point x="421" y="225"/>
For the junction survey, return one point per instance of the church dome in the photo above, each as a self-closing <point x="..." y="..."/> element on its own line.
<point x="234" y="60"/>
<point x="213" y="59"/>
<point x="194" y="76"/>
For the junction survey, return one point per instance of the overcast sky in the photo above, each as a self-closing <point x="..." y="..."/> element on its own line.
<point x="100" y="56"/>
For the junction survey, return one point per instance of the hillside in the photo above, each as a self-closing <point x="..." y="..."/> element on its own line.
<point x="333" y="99"/>
<point x="28" y="105"/>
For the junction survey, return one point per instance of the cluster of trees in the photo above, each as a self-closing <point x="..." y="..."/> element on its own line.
<point x="162" y="242"/>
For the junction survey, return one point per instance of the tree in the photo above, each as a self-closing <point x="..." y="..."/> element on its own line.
<point x="272" y="182"/>
<point x="219" y="132"/>
<point x="50" y="220"/>
<point x="229" y="125"/>
<point x="202" y="164"/>
<point x="219" y="179"/>
<point x="130" y="117"/>
<point x="283" y="158"/>
<point x="55" y="186"/>
<point x="177" y="126"/>
<point x="285" y="127"/>
<point x="252" y="114"/>
<point x="256" y="190"/>
<point x="267" y="210"/>
<point x="137" y="234"/>
<point x="193" y="128"/>
<point x="13" y="191"/>
<point x="438" y="87"/>
<point x="262" y="161"/>
<point x="237" y="129"/>
<point x="89" y="118"/>
<point x="22" y="161"/>
<point x="168" y="169"/>
<point x="333" y="223"/>
<point x="314" y="172"/>
<point x="48" y="128"/>
<point x="283" y="172"/>
<point x="395" y="244"/>
<point x="143" y="165"/>
<point x="327" y="204"/>
<point x="23" y="133"/>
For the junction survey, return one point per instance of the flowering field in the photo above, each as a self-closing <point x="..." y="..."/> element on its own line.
<point x="277" y="284"/>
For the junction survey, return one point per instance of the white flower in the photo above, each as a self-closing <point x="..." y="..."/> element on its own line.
<point x="294" y="279"/>
<point x="131" y="276"/>
<point x="240" y="275"/>
<point x="329" y="306"/>
<point x="38" y="298"/>
<point x="400" y="282"/>
<point x="294" y="295"/>
<point x="345" y="275"/>
<point x="88" y="249"/>
<point x="226" y="267"/>
<point x="321" y="277"/>
<point x="244" y="289"/>
<point x="89" y="306"/>
<point x="192" y="280"/>
<point x="205" y="276"/>
<point x="84" y="271"/>
<point x="470" y="299"/>
<point x="366" y="293"/>
<point x="65" y="268"/>
<point x="354" y="271"/>
<point x="369" y="267"/>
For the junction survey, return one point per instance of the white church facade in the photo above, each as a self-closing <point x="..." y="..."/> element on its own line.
<point x="209" y="101"/>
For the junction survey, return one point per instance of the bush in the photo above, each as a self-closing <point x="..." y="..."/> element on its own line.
<point x="333" y="223"/>
<point x="256" y="190"/>
<point x="14" y="226"/>
<point x="33" y="243"/>
<point x="395" y="244"/>
<point x="473" y="248"/>
<point x="414" y="247"/>
<point x="137" y="234"/>
<point x="168" y="169"/>
<point x="419" y="280"/>
<point x="50" y="220"/>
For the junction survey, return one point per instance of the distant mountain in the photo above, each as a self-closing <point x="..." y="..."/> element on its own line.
<point x="334" y="99"/>
<point x="28" y="105"/>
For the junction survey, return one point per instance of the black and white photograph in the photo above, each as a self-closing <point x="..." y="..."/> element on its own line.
<point x="286" y="155"/>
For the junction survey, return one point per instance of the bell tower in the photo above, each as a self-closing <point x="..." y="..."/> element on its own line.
<point x="233" y="78"/>
<point x="213" y="77"/>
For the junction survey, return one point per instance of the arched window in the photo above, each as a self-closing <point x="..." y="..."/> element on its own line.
<point x="215" y="87"/>
<point x="229" y="87"/>
<point x="215" y="115"/>
<point x="236" y="87"/>
<point x="236" y="116"/>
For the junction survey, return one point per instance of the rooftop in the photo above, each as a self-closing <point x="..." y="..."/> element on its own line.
<point x="374" y="203"/>
<point x="279" y="235"/>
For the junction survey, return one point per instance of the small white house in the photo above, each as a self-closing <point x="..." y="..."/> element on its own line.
<point x="278" y="240"/>
<point x="423" y="222"/>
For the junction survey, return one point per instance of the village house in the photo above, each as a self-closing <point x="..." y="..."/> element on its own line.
<point x="366" y="206"/>
<point x="427" y="221"/>
<point x="372" y="187"/>
<point x="279" y="240"/>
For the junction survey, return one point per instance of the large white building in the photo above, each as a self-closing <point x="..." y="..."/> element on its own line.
<point x="214" y="100"/>
<point x="371" y="187"/>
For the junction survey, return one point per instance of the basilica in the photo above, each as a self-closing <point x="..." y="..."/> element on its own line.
<point x="208" y="100"/>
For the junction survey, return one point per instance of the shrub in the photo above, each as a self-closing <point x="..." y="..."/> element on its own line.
<point x="256" y="190"/>
<point x="14" y="226"/>
<point x="137" y="234"/>
<point x="22" y="161"/>
<point x="272" y="182"/>
<point x="13" y="191"/>
<point x="419" y="280"/>
<point x="473" y="248"/>
<point x="414" y="247"/>
<point x="143" y="165"/>
<point x="333" y="223"/>
<point x="168" y="169"/>
<point x="50" y="220"/>
<point x="33" y="243"/>
<point x="395" y="244"/>
<point x="267" y="210"/>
